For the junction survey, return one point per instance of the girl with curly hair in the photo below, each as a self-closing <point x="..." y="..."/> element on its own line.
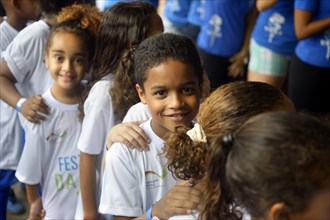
<point x="111" y="90"/>
<point x="50" y="156"/>
<point x="222" y="112"/>
<point x="276" y="166"/>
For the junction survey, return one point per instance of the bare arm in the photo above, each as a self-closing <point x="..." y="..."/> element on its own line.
<point x="10" y="95"/>
<point x="180" y="200"/>
<point x="306" y="27"/>
<point x="87" y="168"/>
<point x="238" y="61"/>
<point x="265" y="4"/>
<point x="36" y="209"/>
<point x="130" y="134"/>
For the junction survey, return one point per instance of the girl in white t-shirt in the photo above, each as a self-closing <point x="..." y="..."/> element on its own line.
<point x="222" y="112"/>
<point x="112" y="92"/>
<point x="50" y="157"/>
<point x="276" y="165"/>
<point x="23" y="75"/>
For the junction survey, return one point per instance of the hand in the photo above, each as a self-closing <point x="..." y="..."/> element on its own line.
<point x="36" y="210"/>
<point x="32" y="108"/>
<point x="181" y="199"/>
<point x="130" y="134"/>
<point x="237" y="66"/>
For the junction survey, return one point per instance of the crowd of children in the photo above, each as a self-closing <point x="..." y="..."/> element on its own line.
<point x="122" y="121"/>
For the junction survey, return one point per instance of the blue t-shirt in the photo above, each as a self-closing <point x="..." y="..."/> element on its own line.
<point x="196" y="12"/>
<point x="176" y="11"/>
<point x="315" y="50"/>
<point x="222" y="32"/>
<point x="274" y="28"/>
<point x="108" y="4"/>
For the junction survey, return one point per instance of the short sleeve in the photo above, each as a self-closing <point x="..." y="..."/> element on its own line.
<point x="121" y="193"/>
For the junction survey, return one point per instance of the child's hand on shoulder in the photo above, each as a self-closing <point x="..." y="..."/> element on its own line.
<point x="36" y="210"/>
<point x="182" y="199"/>
<point x="32" y="108"/>
<point x="130" y="134"/>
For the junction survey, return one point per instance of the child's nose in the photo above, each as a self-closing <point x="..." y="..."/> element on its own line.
<point x="175" y="101"/>
<point x="67" y="66"/>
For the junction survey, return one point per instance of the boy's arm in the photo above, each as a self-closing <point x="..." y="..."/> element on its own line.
<point x="36" y="209"/>
<point x="87" y="170"/>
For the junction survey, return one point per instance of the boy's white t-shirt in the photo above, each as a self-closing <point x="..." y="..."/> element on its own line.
<point x="134" y="180"/>
<point x="10" y="128"/>
<point x="25" y="59"/>
<point x="99" y="118"/>
<point x="51" y="158"/>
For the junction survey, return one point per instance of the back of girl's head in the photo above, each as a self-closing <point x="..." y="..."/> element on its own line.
<point x="277" y="157"/>
<point x="162" y="47"/>
<point x="55" y="6"/>
<point x="82" y="20"/>
<point x="222" y="112"/>
<point x="123" y="27"/>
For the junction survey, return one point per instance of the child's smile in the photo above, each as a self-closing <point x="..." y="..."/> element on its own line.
<point x="172" y="93"/>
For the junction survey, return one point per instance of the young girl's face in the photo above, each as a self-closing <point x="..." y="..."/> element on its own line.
<point x="172" y="92"/>
<point x="67" y="59"/>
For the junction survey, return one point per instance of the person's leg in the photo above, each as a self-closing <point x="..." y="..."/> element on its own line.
<point x="267" y="66"/>
<point x="4" y="193"/>
<point x="216" y="68"/>
<point x="309" y="87"/>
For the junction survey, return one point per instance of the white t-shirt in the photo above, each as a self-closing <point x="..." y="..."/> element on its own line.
<point x="8" y="33"/>
<point x="99" y="118"/>
<point x="134" y="180"/>
<point x="10" y="128"/>
<point x="25" y="59"/>
<point x="138" y="112"/>
<point x="51" y="158"/>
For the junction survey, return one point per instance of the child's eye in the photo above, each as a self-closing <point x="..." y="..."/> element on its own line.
<point x="188" y="91"/>
<point x="160" y="93"/>
<point x="58" y="59"/>
<point x="79" y="61"/>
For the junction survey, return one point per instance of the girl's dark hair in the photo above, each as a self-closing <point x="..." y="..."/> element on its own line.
<point x="55" y="6"/>
<point x="227" y="108"/>
<point x="82" y="20"/>
<point x="275" y="157"/>
<point x="123" y="27"/>
<point x="162" y="47"/>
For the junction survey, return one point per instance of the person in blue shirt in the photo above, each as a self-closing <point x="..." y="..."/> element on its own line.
<point x="181" y="17"/>
<point x="104" y="5"/>
<point x="224" y="38"/>
<point x="273" y="42"/>
<point x="309" y="76"/>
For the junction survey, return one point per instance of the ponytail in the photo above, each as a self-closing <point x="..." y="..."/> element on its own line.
<point x="218" y="202"/>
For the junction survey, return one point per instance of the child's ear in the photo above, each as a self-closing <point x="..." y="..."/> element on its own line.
<point x="46" y="60"/>
<point x="141" y="94"/>
<point x="16" y="4"/>
<point x="279" y="211"/>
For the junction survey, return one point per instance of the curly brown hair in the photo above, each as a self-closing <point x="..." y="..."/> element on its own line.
<point x="222" y="112"/>
<point x="82" y="20"/>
